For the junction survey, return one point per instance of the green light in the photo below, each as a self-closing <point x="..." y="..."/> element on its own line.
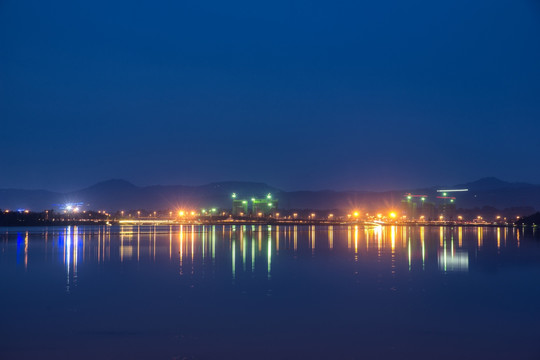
<point x="234" y="195"/>
<point x="409" y="197"/>
<point x="244" y="202"/>
<point x="269" y="204"/>
<point x="423" y="198"/>
<point x="214" y="210"/>
<point x="253" y="199"/>
<point x="443" y="194"/>
<point x="203" y="210"/>
<point x="452" y="200"/>
<point x="269" y="196"/>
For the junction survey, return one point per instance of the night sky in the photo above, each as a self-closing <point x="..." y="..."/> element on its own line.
<point x="298" y="94"/>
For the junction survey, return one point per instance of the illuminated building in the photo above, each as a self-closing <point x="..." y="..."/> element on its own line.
<point x="416" y="206"/>
<point x="256" y="206"/>
<point x="239" y="207"/>
<point x="265" y="206"/>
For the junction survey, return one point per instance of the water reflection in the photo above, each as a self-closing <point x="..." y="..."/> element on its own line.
<point x="398" y="249"/>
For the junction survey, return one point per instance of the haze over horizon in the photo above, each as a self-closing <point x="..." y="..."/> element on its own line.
<point x="482" y="182"/>
<point x="296" y="94"/>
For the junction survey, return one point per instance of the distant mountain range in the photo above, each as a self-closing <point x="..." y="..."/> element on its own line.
<point x="115" y="195"/>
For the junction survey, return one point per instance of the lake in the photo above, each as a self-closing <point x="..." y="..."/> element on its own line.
<point x="269" y="292"/>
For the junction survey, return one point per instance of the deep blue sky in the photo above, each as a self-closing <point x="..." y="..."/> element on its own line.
<point x="298" y="94"/>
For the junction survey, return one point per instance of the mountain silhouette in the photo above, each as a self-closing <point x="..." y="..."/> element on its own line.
<point x="118" y="194"/>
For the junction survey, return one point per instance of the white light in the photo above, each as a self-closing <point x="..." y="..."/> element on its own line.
<point x="452" y="190"/>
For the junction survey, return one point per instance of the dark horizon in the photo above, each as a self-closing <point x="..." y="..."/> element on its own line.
<point x="489" y="179"/>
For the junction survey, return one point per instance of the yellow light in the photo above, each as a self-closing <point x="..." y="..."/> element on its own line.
<point x="181" y="213"/>
<point x="193" y="213"/>
<point x="393" y="215"/>
<point x="379" y="216"/>
<point x="356" y="214"/>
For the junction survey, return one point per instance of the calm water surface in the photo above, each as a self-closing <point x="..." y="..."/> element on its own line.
<point x="260" y="292"/>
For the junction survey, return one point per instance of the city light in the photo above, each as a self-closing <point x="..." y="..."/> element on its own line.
<point x="393" y="215"/>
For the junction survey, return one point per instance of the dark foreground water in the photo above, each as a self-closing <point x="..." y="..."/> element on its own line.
<point x="215" y="292"/>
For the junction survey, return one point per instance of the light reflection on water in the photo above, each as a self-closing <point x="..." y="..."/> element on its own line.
<point x="340" y="280"/>
<point x="190" y="245"/>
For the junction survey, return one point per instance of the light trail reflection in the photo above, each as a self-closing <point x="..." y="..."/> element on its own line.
<point x="398" y="249"/>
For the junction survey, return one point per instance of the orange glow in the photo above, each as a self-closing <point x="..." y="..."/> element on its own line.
<point x="356" y="214"/>
<point x="393" y="215"/>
